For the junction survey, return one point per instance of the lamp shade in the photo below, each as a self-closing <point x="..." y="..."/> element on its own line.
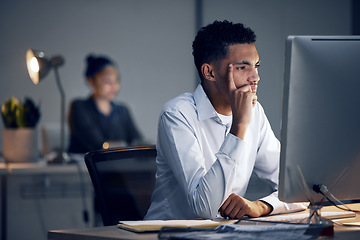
<point x="38" y="65"/>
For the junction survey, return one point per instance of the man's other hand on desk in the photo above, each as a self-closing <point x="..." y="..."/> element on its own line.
<point x="236" y="207"/>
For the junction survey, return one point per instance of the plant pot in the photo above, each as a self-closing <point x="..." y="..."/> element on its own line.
<point x="20" y="145"/>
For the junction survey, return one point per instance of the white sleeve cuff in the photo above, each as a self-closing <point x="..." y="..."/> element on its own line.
<point x="282" y="207"/>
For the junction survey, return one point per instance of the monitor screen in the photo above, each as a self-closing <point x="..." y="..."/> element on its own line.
<point x="320" y="129"/>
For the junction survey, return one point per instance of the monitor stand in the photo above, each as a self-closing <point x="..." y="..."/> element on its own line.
<point x="315" y="210"/>
<point x="315" y="219"/>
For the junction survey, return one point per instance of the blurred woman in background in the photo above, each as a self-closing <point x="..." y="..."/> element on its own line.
<point x="98" y="122"/>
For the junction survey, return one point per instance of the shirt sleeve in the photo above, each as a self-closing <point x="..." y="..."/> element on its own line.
<point x="267" y="168"/>
<point x="268" y="154"/>
<point x="283" y="207"/>
<point x="204" y="189"/>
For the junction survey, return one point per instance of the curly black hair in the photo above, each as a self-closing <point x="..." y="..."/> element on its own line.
<point x="211" y="42"/>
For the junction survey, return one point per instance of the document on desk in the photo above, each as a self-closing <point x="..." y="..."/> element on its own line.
<point x="303" y="216"/>
<point x="156" y="225"/>
<point x="253" y="231"/>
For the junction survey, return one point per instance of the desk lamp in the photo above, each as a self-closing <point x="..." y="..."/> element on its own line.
<point x="38" y="66"/>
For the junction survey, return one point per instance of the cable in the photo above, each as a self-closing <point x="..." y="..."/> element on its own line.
<point x="322" y="189"/>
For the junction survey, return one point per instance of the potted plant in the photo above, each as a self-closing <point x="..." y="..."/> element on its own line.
<point x="19" y="136"/>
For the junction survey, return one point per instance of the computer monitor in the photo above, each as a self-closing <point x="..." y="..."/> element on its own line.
<point x="320" y="132"/>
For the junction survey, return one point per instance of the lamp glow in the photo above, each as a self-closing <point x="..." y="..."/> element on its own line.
<point x="38" y="66"/>
<point x="34" y="65"/>
<point x="105" y="145"/>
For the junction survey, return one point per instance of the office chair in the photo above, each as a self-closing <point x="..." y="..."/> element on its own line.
<point x="123" y="180"/>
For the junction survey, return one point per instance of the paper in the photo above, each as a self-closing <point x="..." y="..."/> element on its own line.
<point x="262" y="228"/>
<point x="156" y="225"/>
<point x="304" y="216"/>
<point x="250" y="232"/>
<point x="352" y="224"/>
<point x="242" y="236"/>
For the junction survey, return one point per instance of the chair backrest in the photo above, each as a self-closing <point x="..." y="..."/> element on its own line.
<point x="123" y="180"/>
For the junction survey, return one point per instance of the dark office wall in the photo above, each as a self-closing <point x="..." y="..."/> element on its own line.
<point x="150" y="41"/>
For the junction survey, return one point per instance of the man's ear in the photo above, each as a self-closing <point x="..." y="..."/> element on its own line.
<point x="207" y="71"/>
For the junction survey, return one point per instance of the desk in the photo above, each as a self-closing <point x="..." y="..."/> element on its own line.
<point x="37" y="196"/>
<point x="99" y="233"/>
<point x="114" y="233"/>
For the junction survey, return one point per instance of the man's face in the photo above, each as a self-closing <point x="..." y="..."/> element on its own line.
<point x="245" y="60"/>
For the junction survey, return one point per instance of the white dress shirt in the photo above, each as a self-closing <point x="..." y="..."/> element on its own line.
<point x="199" y="164"/>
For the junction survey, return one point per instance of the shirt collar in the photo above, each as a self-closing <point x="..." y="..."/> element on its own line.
<point x="204" y="107"/>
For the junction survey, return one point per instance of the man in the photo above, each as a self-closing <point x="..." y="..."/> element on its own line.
<point x="210" y="141"/>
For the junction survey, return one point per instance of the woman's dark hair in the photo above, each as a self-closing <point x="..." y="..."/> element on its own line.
<point x="96" y="63"/>
<point x="212" y="42"/>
